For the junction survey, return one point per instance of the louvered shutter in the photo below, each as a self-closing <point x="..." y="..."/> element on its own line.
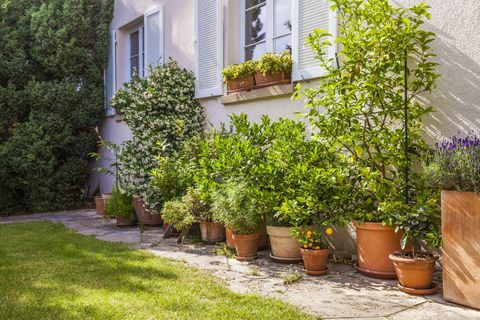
<point x="307" y="16"/>
<point x="208" y="48"/>
<point x="153" y="38"/>
<point x="110" y="75"/>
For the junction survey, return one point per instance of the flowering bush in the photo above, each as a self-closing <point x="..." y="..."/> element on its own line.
<point x="312" y="239"/>
<point x="455" y="164"/>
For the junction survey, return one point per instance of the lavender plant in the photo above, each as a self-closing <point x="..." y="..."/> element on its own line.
<point x="455" y="164"/>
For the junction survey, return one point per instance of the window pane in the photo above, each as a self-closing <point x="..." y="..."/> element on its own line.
<point x="255" y="25"/>
<point x="283" y="43"/>
<point x="282" y="13"/>
<point x="255" y="51"/>
<point x="134" y="43"/>
<point x="134" y="65"/>
<point x="251" y="3"/>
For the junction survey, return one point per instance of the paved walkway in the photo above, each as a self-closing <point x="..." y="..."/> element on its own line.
<point x="342" y="294"/>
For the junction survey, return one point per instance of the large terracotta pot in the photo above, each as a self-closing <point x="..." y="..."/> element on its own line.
<point x="146" y="215"/>
<point x="212" y="232"/>
<point x="315" y="261"/>
<point x="265" y="80"/>
<point x="412" y="273"/>
<point x="461" y="247"/>
<point x="240" y="84"/>
<point x="284" y="246"/>
<point x="229" y="238"/>
<point x="375" y="242"/>
<point x="99" y="205"/>
<point x="246" y="245"/>
<point x="125" y="221"/>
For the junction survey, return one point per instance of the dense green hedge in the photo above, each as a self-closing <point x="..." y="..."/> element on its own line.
<point x="52" y="56"/>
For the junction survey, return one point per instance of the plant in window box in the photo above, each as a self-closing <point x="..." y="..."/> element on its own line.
<point x="239" y="77"/>
<point x="120" y="205"/>
<point x="273" y="68"/>
<point x="235" y="206"/>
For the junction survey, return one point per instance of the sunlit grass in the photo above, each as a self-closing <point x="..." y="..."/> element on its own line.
<point x="49" y="272"/>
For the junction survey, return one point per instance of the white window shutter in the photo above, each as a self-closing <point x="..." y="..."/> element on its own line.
<point x="208" y="48"/>
<point x="153" y="38"/>
<point x="309" y="15"/>
<point x="110" y="74"/>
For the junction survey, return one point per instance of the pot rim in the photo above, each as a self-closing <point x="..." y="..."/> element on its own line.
<point x="246" y="236"/>
<point x="395" y="258"/>
<point x="372" y="226"/>
<point x="315" y="252"/>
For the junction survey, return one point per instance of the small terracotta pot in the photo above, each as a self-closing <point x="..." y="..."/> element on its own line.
<point x="413" y="273"/>
<point x="246" y="245"/>
<point x="99" y="205"/>
<point x="283" y="244"/>
<point x="145" y="214"/>
<point x="240" y="84"/>
<point x="125" y="221"/>
<point x="375" y="242"/>
<point x="315" y="261"/>
<point x="212" y="232"/>
<point x="266" y="80"/>
<point x="229" y="238"/>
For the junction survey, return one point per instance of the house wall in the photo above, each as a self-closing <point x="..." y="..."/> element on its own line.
<point x="456" y="100"/>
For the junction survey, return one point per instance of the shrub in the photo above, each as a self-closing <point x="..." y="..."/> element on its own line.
<point x="274" y="63"/>
<point x="239" y="71"/>
<point x="120" y="204"/>
<point x="162" y="113"/>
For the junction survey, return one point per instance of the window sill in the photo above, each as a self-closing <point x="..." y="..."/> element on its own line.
<point x="258" y="94"/>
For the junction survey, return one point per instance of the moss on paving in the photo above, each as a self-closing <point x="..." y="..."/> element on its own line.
<point x="49" y="272"/>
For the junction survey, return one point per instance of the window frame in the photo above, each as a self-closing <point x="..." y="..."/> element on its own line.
<point x="270" y="27"/>
<point x="141" y="51"/>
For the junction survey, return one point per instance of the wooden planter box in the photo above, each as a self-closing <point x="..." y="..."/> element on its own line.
<point x="461" y="247"/>
<point x="267" y="80"/>
<point x="240" y="84"/>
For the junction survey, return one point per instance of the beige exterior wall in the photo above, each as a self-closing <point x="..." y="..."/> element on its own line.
<point x="456" y="100"/>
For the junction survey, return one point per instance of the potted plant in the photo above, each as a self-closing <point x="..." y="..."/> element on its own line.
<point x="191" y="209"/>
<point x="454" y="168"/>
<point x="239" y="77"/>
<point x="120" y="206"/>
<point x="235" y="207"/>
<point x="359" y="108"/>
<point x="99" y="205"/>
<point x="314" y="249"/>
<point x="273" y="68"/>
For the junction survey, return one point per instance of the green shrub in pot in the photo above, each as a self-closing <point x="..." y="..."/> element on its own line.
<point x="120" y="204"/>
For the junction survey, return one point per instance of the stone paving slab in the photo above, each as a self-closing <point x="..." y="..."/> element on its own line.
<point x="342" y="294"/>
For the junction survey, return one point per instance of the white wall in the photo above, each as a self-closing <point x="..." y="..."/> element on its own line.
<point x="456" y="100"/>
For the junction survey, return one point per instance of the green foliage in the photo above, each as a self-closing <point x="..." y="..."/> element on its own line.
<point x="162" y="113"/>
<point x="187" y="210"/>
<point x="235" y="207"/>
<point x="274" y="63"/>
<point x="358" y="107"/>
<point x="51" y="99"/>
<point x="239" y="71"/>
<point x="120" y="204"/>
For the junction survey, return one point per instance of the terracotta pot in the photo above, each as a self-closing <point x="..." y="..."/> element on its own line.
<point x="146" y="215"/>
<point x="283" y="244"/>
<point x="413" y="273"/>
<point x="375" y="242"/>
<point x="315" y="261"/>
<point x="125" y="221"/>
<point x="461" y="247"/>
<point x="99" y="205"/>
<point x="212" y="232"/>
<point x="266" y="80"/>
<point x="246" y="245"/>
<point x="229" y="238"/>
<point x="240" y="84"/>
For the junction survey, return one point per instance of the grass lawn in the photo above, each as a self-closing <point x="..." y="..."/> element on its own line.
<point x="49" y="272"/>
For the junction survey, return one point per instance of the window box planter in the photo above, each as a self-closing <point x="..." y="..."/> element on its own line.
<point x="266" y="80"/>
<point x="243" y="84"/>
<point x="461" y="247"/>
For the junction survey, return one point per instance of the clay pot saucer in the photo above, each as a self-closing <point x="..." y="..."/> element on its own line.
<point x="376" y="274"/>
<point x="285" y="260"/>
<point x="420" y="292"/>
<point x="246" y="258"/>
<point x="315" y="273"/>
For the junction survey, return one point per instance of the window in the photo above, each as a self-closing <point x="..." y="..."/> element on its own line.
<point x="136" y="52"/>
<point x="268" y="27"/>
